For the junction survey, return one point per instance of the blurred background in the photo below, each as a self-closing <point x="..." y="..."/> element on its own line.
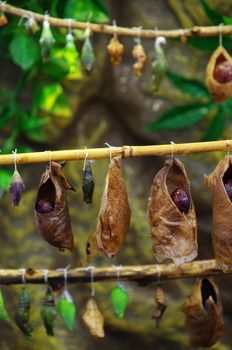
<point x="56" y="105"/>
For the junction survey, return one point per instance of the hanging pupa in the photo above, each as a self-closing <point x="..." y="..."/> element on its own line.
<point x="22" y="314"/>
<point x="3" y="19"/>
<point x="114" y="216"/>
<point x="161" y="305"/>
<point x="16" y="188"/>
<point x="31" y="25"/>
<point x="115" y="50"/>
<point x="140" y="56"/>
<point x="67" y="309"/>
<point x="46" y="40"/>
<point x="219" y="74"/>
<point x="171" y="215"/>
<point x="88" y="183"/>
<point x="203" y="311"/>
<point x="220" y="184"/>
<point x="87" y="52"/>
<point x="3" y="312"/>
<point x="51" y="208"/>
<point x="119" y="298"/>
<point x="159" y="64"/>
<point x="48" y="312"/>
<point x="93" y="319"/>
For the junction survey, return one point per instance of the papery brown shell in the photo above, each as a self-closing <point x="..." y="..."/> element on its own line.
<point x="220" y="91"/>
<point x="115" y="51"/>
<point x="222" y="214"/>
<point x="55" y="226"/>
<point x="93" y="319"/>
<point x="205" y="325"/>
<point x="161" y="305"/>
<point x="139" y="54"/>
<point x="173" y="233"/>
<point x="114" y="216"/>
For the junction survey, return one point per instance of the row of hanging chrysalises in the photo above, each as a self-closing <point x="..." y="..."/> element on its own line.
<point x="171" y="211"/>
<point x="218" y="73"/>
<point x="202" y="309"/>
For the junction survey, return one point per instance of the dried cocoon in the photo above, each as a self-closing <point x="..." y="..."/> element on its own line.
<point x="203" y="311"/>
<point x="114" y="216"/>
<point x="219" y="74"/>
<point x="51" y="208"/>
<point x="115" y="51"/>
<point x="161" y="305"/>
<point x="140" y="56"/>
<point x="93" y="319"/>
<point x="220" y="184"/>
<point x="173" y="231"/>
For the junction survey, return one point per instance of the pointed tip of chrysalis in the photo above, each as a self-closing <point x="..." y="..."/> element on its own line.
<point x="16" y="188"/>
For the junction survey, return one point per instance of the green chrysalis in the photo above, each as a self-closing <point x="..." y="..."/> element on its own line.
<point x="87" y="53"/>
<point x="22" y="314"/>
<point x="3" y="313"/>
<point x="48" y="311"/>
<point x="46" y="40"/>
<point x="119" y="298"/>
<point x="159" y="65"/>
<point x="67" y="310"/>
<point x="88" y="183"/>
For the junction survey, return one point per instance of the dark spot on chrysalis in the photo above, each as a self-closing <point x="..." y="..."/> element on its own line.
<point x="223" y="72"/>
<point x="227" y="180"/>
<point x="181" y="199"/>
<point x="46" y="197"/>
<point x="207" y="290"/>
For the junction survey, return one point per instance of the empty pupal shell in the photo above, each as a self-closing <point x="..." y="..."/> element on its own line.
<point x="172" y="217"/>
<point x="219" y="74"/>
<point x="87" y="53"/>
<point x="161" y="305"/>
<point x="114" y="216"/>
<point x="22" y="314"/>
<point x="16" y="188"/>
<point x="93" y="319"/>
<point x="140" y="56"/>
<point x="48" y="312"/>
<point x="203" y="312"/>
<point x="51" y="208"/>
<point x="220" y="184"/>
<point x="115" y="51"/>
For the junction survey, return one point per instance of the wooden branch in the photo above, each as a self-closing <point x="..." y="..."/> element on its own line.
<point x="121" y="31"/>
<point x="123" y="151"/>
<point x="150" y="273"/>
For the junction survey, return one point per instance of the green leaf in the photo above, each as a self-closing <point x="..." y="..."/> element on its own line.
<point x="67" y="310"/>
<point x="214" y="16"/>
<point x="119" y="300"/>
<point x="210" y="44"/>
<point x="81" y="10"/>
<point x="226" y="108"/>
<point x="215" y="127"/>
<point x="62" y="108"/>
<point x="56" y="68"/>
<point x="48" y="96"/>
<point x="24" y="51"/>
<point x="189" y="86"/>
<point x="3" y="313"/>
<point x="181" y="117"/>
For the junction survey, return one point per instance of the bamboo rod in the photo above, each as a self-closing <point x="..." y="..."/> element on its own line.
<point x="149" y="273"/>
<point x="121" y="31"/>
<point x="123" y="151"/>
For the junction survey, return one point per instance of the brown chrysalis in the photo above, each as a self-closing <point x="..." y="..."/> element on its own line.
<point x="140" y="56"/>
<point x="161" y="305"/>
<point x="51" y="208"/>
<point x="219" y="74"/>
<point x="203" y="311"/>
<point x="220" y="184"/>
<point x="115" y="51"/>
<point x="114" y="216"/>
<point x="93" y="319"/>
<point x="171" y="214"/>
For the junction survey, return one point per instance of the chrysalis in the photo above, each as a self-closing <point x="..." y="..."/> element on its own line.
<point x="87" y="52"/>
<point x="3" y="19"/>
<point x="115" y="51"/>
<point x="159" y="65"/>
<point x="22" y="314"/>
<point x="31" y="25"/>
<point x="88" y="183"/>
<point x="93" y="319"/>
<point x="140" y="56"/>
<point x="114" y="216"/>
<point x="171" y="214"/>
<point x="161" y="305"/>
<point x="219" y="183"/>
<point x="119" y="298"/>
<point x="219" y="74"/>
<point x="48" y="312"/>
<point x="3" y="312"/>
<point x="67" y="310"/>
<point x="16" y="188"/>
<point x="46" y="40"/>
<point x="203" y="311"/>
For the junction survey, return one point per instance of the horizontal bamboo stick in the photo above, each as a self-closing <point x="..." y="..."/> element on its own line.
<point x="149" y="273"/>
<point x="124" y="152"/>
<point x="121" y="31"/>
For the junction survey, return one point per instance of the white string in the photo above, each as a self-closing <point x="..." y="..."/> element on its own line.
<point x="138" y="31"/>
<point x="172" y="146"/>
<point x="22" y="273"/>
<point x="159" y="40"/>
<point x="45" y="274"/>
<point x="3" y="3"/>
<point x="69" y="36"/>
<point x="15" y="163"/>
<point x="118" y="269"/>
<point x="91" y="268"/>
<point x="115" y="28"/>
<point x="110" y="147"/>
<point x="86" y="156"/>
<point x="50" y="160"/>
<point x="228" y="146"/>
<point x="220" y="33"/>
<point x="158" y="275"/>
<point x="65" y="271"/>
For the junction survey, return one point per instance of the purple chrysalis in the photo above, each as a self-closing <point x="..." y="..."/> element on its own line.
<point x="16" y="188"/>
